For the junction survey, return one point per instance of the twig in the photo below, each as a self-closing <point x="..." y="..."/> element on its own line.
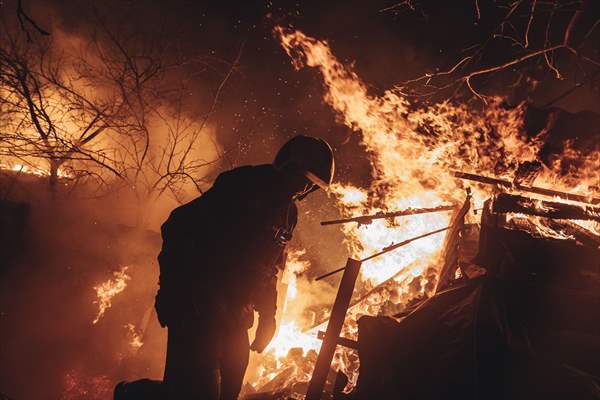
<point x="530" y="20"/>
<point x="23" y="17"/>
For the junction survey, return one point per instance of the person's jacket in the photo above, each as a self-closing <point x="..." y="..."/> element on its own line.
<point x="221" y="251"/>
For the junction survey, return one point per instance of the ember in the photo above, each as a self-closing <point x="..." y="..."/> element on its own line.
<point x="78" y="386"/>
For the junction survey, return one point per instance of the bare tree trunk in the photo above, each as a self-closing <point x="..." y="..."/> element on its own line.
<point x="53" y="178"/>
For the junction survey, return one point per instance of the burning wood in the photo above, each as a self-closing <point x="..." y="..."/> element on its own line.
<point x="451" y="247"/>
<point x="342" y="341"/>
<point x="504" y="203"/>
<point x="531" y="189"/>
<point x="367" y="219"/>
<point x="385" y="250"/>
<point x="334" y="328"/>
<point x="331" y="338"/>
<point x="581" y="234"/>
<point x="527" y="172"/>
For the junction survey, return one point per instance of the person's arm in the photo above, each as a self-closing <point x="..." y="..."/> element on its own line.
<point x="265" y="304"/>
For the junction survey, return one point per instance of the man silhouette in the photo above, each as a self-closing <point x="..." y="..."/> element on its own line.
<point x="218" y="264"/>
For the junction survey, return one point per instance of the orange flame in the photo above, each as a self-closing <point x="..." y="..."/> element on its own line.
<point x="109" y="289"/>
<point x="135" y="337"/>
<point x="412" y="150"/>
<point x="34" y="170"/>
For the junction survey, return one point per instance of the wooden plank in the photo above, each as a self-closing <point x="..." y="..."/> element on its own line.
<point x="333" y="331"/>
<point x="582" y="235"/>
<point x="367" y="219"/>
<point x="342" y="341"/>
<point x="524" y="188"/>
<point x="452" y="242"/>
<point x="504" y="203"/>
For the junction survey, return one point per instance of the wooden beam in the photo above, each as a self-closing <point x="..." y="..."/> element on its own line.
<point x="504" y="203"/>
<point x="342" y="341"/>
<point x="451" y="245"/>
<point x="581" y="234"/>
<point x="334" y="329"/>
<point x="367" y="219"/>
<point x="524" y="188"/>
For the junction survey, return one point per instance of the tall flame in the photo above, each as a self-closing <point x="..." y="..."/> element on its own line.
<point x="412" y="149"/>
<point x="294" y="265"/>
<point x="290" y="338"/>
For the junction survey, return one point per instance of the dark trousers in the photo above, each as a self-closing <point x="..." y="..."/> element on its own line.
<point x="203" y="362"/>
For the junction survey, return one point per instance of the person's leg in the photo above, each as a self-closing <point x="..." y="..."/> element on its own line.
<point x="191" y="371"/>
<point x="142" y="389"/>
<point x="233" y="362"/>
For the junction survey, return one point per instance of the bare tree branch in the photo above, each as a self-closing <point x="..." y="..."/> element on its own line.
<point x="23" y="17"/>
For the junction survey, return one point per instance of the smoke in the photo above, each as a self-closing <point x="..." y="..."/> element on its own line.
<point x="80" y="240"/>
<point x="76" y="244"/>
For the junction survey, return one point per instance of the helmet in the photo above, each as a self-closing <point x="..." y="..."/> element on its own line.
<point x="312" y="156"/>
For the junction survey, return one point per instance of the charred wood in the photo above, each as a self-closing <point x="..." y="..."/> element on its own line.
<point x="341" y="380"/>
<point x="505" y="203"/>
<point x="451" y="245"/>
<point x="525" y="188"/>
<point x="367" y="219"/>
<point x="527" y="172"/>
<point x="334" y="328"/>
<point x="342" y="341"/>
<point x="582" y="235"/>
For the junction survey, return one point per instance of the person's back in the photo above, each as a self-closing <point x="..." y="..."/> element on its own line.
<point x="218" y="265"/>
<point x="220" y="249"/>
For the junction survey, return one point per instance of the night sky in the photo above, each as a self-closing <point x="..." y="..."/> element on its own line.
<point x="266" y="100"/>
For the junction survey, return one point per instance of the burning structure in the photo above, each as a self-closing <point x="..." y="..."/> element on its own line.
<point x="486" y="302"/>
<point x="465" y="328"/>
<point x="474" y="306"/>
<point x="500" y="323"/>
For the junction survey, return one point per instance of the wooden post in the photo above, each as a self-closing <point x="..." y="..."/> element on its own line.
<point x="451" y="246"/>
<point x="334" y="329"/>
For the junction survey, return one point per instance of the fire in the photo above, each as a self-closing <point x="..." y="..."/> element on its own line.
<point x="109" y="289"/>
<point x="291" y="336"/>
<point x="293" y="345"/>
<point x="293" y="266"/>
<point x="34" y="170"/>
<point x="135" y="338"/>
<point x="291" y="354"/>
<point x="399" y="157"/>
<point x="412" y="149"/>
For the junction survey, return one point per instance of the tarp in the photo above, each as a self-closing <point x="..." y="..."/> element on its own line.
<point x="429" y="353"/>
<point x="458" y="345"/>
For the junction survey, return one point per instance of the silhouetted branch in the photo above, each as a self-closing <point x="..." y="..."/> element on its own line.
<point x="23" y="18"/>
